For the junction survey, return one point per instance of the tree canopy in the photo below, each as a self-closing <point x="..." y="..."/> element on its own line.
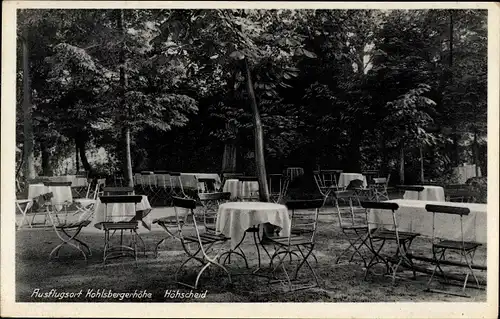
<point x="351" y="89"/>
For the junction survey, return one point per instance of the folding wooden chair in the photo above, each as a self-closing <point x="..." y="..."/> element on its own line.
<point x="326" y="181"/>
<point x="23" y="206"/>
<point x="304" y="214"/>
<point x="359" y="190"/>
<point x="379" y="234"/>
<point x="177" y="189"/>
<point x="68" y="220"/>
<point x="458" y="193"/>
<point x="280" y="183"/>
<point x="128" y="223"/>
<point x="380" y="188"/>
<point x="466" y="249"/>
<point x="203" y="241"/>
<point x="354" y="228"/>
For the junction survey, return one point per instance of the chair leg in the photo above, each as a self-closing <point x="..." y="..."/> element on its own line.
<point x="67" y="241"/>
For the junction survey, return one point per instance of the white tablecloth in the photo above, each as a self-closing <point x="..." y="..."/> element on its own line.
<point x="234" y="218"/>
<point x="412" y="216"/>
<point x="346" y="178"/>
<point x="240" y="189"/>
<point x="115" y="212"/>
<point x="465" y="172"/>
<point x="61" y="193"/>
<point x="433" y="193"/>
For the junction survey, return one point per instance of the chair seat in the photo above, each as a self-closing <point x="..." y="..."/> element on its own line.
<point x="300" y="231"/>
<point x="167" y="220"/>
<point x="391" y="235"/>
<point x="119" y="225"/>
<point x="253" y="229"/>
<point x="355" y="227"/>
<point x="294" y="240"/>
<point x="458" y="245"/>
<point x="83" y="223"/>
<point x="206" y="238"/>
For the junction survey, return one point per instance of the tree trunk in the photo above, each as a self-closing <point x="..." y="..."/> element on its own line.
<point x="475" y="153"/>
<point x="354" y="163"/>
<point x="402" y="165"/>
<point x="28" y="145"/>
<point x="421" y="165"/>
<point x="124" y="83"/>
<point x="77" y="151"/>
<point x="259" y="150"/>
<point x="229" y="157"/>
<point x="46" y="167"/>
<point x="259" y="139"/>
<point x="81" y="152"/>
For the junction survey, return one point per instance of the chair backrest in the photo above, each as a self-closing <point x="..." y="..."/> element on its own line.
<point x="327" y="178"/>
<point x="342" y="214"/>
<point x="248" y="178"/>
<point x="128" y="200"/>
<point x="393" y="207"/>
<point x="118" y="190"/>
<point x="229" y="175"/>
<point x="108" y="199"/>
<point x="413" y="188"/>
<point x="305" y="215"/>
<point x="56" y="184"/>
<point x="458" y="192"/>
<point x="445" y="209"/>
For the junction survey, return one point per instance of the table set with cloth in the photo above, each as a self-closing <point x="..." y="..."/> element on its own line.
<point x="61" y="193"/>
<point x="429" y="193"/>
<point x="116" y="212"/>
<point x="240" y="189"/>
<point x="413" y="217"/>
<point x="465" y="172"/>
<point x="235" y="218"/>
<point x="346" y="178"/>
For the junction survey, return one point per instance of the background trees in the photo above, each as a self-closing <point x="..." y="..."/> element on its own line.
<point x="403" y="90"/>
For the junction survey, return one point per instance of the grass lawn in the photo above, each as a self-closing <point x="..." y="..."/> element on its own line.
<point x="342" y="282"/>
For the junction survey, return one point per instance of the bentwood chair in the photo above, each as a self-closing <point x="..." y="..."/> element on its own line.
<point x="124" y="221"/>
<point x="304" y="215"/>
<point x="440" y="247"/>
<point x="204" y="242"/>
<point x="352" y="224"/>
<point x="380" y="233"/>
